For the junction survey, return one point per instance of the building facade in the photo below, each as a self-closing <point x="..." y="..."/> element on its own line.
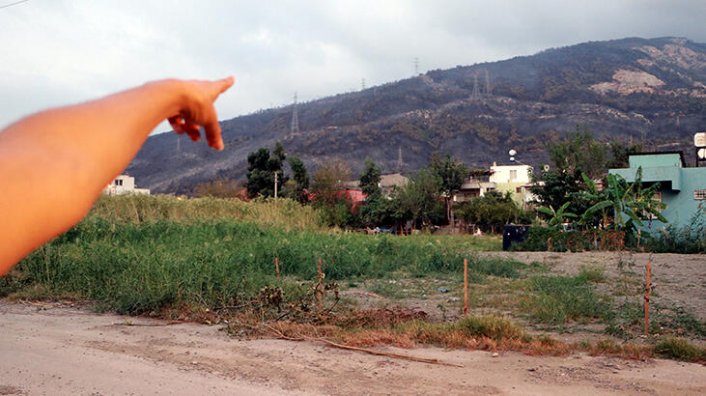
<point x="681" y="189"/>
<point x="124" y="184"/>
<point x="515" y="179"/>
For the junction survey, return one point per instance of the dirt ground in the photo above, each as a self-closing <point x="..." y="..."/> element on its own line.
<point x="53" y="349"/>
<point x="677" y="279"/>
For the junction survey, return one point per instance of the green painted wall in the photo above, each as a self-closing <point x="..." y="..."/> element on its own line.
<point x="677" y="185"/>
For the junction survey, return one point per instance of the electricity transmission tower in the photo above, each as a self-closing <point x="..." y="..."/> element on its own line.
<point x="295" y="116"/>
<point x="487" y="83"/>
<point x="416" y="66"/>
<point x="400" y="161"/>
<point x="475" y="95"/>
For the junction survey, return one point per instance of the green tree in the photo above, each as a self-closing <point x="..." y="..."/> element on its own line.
<point x="491" y="211"/>
<point x="577" y="160"/>
<point x="579" y="153"/>
<point x="262" y="166"/>
<point x="297" y="187"/>
<point x="370" y="179"/>
<point x="451" y="174"/>
<point x="376" y="209"/>
<point x="419" y="198"/>
<point x="327" y="186"/>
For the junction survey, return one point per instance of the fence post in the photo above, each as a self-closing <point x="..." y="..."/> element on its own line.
<point x="277" y="268"/>
<point x="647" y="297"/>
<point x="465" y="286"/>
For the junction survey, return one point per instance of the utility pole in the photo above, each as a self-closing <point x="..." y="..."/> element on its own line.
<point x="276" y="180"/>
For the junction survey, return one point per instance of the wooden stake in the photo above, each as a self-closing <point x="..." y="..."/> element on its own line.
<point x="465" y="286"/>
<point x="277" y="267"/>
<point x="319" y="288"/>
<point x="647" y="298"/>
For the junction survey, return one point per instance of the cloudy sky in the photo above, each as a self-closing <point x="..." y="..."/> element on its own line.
<point x="58" y="52"/>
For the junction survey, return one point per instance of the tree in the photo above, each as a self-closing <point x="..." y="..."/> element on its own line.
<point x="370" y="179"/>
<point x="631" y="203"/>
<point x="262" y="166"/>
<point x="419" y="198"/>
<point x="577" y="159"/>
<point x="491" y="211"/>
<point x="376" y="209"/>
<point x="451" y="174"/>
<point x="579" y="153"/>
<point x="297" y="187"/>
<point x="328" y="189"/>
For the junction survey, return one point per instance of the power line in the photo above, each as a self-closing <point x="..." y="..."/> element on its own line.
<point x="13" y="4"/>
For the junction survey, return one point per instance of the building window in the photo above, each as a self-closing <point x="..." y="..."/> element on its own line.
<point x="700" y="195"/>
<point x="518" y="190"/>
<point x="513" y="175"/>
<point x="118" y="182"/>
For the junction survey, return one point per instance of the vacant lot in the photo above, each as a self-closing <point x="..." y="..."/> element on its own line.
<point x="267" y="275"/>
<point x="60" y="350"/>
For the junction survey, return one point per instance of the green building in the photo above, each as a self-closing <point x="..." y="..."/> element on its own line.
<point x="682" y="189"/>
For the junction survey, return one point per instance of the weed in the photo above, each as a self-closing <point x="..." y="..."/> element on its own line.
<point x="679" y="349"/>
<point x="559" y="299"/>
<point x="593" y="273"/>
<point x="493" y="327"/>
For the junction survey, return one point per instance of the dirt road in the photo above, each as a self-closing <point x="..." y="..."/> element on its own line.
<point x="58" y="350"/>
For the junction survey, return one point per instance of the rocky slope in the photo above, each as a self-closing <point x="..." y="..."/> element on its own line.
<point x="646" y="89"/>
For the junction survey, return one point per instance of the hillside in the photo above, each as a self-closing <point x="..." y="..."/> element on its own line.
<point x="646" y="89"/>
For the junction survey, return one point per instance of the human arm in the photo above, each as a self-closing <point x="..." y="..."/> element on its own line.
<point x="54" y="164"/>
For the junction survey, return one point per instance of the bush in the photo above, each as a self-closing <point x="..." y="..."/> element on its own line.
<point x="493" y="327"/>
<point x="558" y="240"/>
<point x="679" y="349"/>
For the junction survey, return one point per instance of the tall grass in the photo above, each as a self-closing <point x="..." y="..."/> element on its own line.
<point x="142" y="254"/>
<point x="558" y="300"/>
<point x="283" y="213"/>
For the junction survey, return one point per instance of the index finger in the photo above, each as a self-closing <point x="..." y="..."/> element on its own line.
<point x="212" y="130"/>
<point x="220" y="86"/>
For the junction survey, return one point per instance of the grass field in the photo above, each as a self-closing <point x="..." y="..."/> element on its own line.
<point x="168" y="257"/>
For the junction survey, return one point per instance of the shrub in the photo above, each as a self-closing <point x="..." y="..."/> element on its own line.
<point x="493" y="327"/>
<point x="679" y="349"/>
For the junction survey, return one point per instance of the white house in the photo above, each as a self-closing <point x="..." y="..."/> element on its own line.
<point x="515" y="179"/>
<point x="124" y="184"/>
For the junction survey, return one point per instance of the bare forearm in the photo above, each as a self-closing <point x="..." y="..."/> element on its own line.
<point x="54" y="164"/>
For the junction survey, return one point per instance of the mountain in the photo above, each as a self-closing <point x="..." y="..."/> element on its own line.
<point x="652" y="90"/>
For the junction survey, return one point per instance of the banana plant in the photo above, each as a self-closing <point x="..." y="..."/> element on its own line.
<point x="630" y="203"/>
<point x="557" y="217"/>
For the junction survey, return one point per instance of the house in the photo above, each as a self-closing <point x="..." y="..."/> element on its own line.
<point x="681" y="189"/>
<point x="476" y="185"/>
<point x="388" y="183"/>
<point x="124" y="184"/>
<point x="515" y="179"/>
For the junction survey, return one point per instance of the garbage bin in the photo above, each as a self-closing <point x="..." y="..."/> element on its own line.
<point x="513" y="233"/>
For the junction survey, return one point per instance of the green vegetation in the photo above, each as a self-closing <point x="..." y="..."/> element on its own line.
<point x="143" y="254"/>
<point x="493" y="327"/>
<point x="557" y="300"/>
<point x="180" y="258"/>
<point x="680" y="349"/>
